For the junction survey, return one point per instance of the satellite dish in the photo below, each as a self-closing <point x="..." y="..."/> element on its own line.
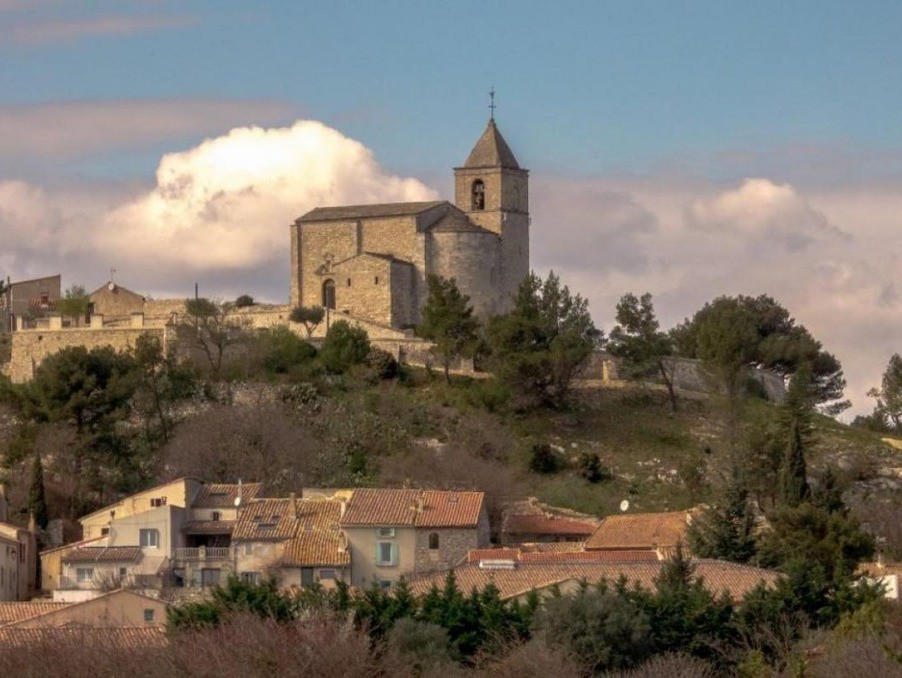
<point x="625" y="505"/>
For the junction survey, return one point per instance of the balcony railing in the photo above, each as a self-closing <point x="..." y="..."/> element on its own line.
<point x="203" y="554"/>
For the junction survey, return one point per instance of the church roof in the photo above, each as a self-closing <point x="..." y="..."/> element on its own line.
<point x="492" y="150"/>
<point x="456" y="221"/>
<point x="391" y="209"/>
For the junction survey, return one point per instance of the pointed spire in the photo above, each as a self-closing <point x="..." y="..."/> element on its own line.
<point x="492" y="150"/>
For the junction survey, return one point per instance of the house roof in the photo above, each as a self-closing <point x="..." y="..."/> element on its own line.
<point x="351" y="212"/>
<point x="524" y="555"/>
<point x="103" y="554"/>
<point x="110" y="286"/>
<point x="491" y="150"/>
<point x="73" y="545"/>
<point x="267" y="520"/>
<point x="121" y="638"/>
<point x="108" y="507"/>
<point x="318" y="540"/>
<point x="735" y="579"/>
<point x="641" y="531"/>
<point x="548" y="524"/>
<point x="14" y="612"/>
<point x="223" y="495"/>
<point x="414" y="508"/>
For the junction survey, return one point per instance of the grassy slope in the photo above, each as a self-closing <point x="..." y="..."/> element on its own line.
<point x="634" y="433"/>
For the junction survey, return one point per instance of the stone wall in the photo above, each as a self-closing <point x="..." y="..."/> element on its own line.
<point x="30" y="347"/>
<point x="471" y="258"/>
<point x="363" y="287"/>
<point x="453" y="545"/>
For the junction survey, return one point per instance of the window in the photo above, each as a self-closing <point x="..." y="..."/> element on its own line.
<point x="433" y="540"/>
<point x="306" y="576"/>
<point x="386" y="554"/>
<point x="149" y="538"/>
<point x="210" y="576"/>
<point x="148" y="615"/>
<point x="385" y="532"/>
<point x="251" y="577"/>
<point x="478" y="195"/>
<point x="376" y="280"/>
<point x="349" y="282"/>
<point x="327" y="574"/>
<point x="385" y="583"/>
<point x="123" y="572"/>
<point x="216" y="516"/>
<point x="84" y="574"/>
<point x="104" y="531"/>
<point x="157" y="502"/>
<point x="248" y="549"/>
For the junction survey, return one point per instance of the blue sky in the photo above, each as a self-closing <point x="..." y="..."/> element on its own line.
<point x="688" y="149"/>
<point x="582" y="86"/>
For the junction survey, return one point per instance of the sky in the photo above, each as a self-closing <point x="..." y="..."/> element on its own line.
<point x="687" y="149"/>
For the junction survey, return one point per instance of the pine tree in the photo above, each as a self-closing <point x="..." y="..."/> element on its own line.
<point x="725" y="529"/>
<point x="796" y="418"/>
<point x="448" y="322"/>
<point x="37" y="497"/>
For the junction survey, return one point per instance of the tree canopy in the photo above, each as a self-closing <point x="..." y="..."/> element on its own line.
<point x="889" y="396"/>
<point x="638" y="339"/>
<point x="448" y="322"/>
<point x="538" y="347"/>
<point x="733" y="333"/>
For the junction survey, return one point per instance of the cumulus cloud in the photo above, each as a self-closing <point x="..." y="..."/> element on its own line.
<point x="761" y="208"/>
<point x="219" y="211"/>
<point x="756" y="237"/>
<point x="71" y="128"/>
<point x="227" y="203"/>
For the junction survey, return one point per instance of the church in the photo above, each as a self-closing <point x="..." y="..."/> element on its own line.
<point x="372" y="261"/>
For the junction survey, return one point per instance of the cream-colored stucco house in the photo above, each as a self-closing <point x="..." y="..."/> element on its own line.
<point x="18" y="556"/>
<point x="178" y="534"/>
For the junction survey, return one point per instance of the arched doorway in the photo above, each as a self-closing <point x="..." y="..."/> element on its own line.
<point x="329" y="293"/>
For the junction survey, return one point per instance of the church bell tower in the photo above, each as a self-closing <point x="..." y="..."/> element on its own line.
<point x="493" y="190"/>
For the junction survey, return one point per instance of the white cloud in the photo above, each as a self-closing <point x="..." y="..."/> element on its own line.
<point x="227" y="203"/>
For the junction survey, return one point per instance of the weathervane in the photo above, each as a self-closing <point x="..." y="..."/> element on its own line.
<point x="492" y="102"/>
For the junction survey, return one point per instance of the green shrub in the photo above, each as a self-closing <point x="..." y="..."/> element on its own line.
<point x="285" y="350"/>
<point x="244" y="300"/>
<point x="344" y="345"/>
<point x="488" y="394"/>
<point x="544" y="459"/>
<point x="591" y="469"/>
<point x="382" y="363"/>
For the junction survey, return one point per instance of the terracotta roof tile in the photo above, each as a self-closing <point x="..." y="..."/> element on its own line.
<point x="719" y="576"/>
<point x="267" y="520"/>
<point x="103" y="554"/>
<point x="524" y="555"/>
<point x="318" y="540"/>
<point x="120" y="638"/>
<point x="14" y="612"/>
<point x="222" y="495"/>
<point x="548" y="524"/>
<point x="414" y="508"/>
<point x="641" y="531"/>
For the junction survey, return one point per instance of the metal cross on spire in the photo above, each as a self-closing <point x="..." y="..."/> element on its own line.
<point x="492" y="103"/>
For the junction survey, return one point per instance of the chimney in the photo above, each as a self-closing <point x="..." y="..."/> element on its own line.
<point x="343" y="503"/>
<point x="32" y="525"/>
<point x="294" y="504"/>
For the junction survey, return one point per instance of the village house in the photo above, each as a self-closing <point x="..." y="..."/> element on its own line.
<point x="121" y="608"/>
<point x="178" y="533"/>
<point x="18" y="556"/>
<point x="394" y="533"/>
<point x="660" y="532"/>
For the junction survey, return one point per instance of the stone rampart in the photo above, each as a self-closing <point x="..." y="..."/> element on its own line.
<point x="31" y="347"/>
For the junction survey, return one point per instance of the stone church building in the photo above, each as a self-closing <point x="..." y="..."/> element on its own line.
<point x="371" y="261"/>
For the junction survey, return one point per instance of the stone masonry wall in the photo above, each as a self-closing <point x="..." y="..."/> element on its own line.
<point x="472" y="259"/>
<point x="453" y="545"/>
<point x="30" y="347"/>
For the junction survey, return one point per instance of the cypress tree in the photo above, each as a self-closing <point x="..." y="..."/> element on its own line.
<point x="37" y="497"/>
<point x="794" y="487"/>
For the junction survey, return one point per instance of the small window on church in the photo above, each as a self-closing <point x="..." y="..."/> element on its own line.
<point x="376" y="280"/>
<point x="329" y="294"/>
<point x="349" y="282"/>
<point x="478" y="195"/>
